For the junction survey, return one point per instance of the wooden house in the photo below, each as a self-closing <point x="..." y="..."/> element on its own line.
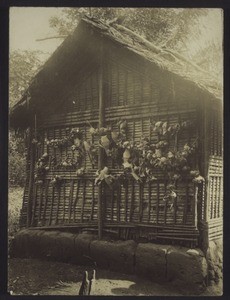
<point x="123" y="138"/>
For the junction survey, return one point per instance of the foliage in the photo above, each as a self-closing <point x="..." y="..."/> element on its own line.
<point x="80" y="148"/>
<point x="144" y="159"/>
<point x="15" y="204"/>
<point x="175" y="29"/>
<point x="169" y="26"/>
<point x="17" y="160"/>
<point x="22" y="67"/>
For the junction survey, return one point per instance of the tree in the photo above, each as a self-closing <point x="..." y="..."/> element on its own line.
<point x="23" y="65"/>
<point x="162" y="26"/>
<point x="175" y="29"/>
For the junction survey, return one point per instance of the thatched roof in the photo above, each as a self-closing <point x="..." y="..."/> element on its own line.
<point x="164" y="59"/>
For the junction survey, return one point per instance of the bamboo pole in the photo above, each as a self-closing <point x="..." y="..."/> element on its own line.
<point x="101" y="151"/>
<point x="31" y="179"/>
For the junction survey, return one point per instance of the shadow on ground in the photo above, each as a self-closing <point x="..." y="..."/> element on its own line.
<point x="38" y="277"/>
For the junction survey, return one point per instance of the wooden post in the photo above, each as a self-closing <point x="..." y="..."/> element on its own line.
<point x="101" y="154"/>
<point x="204" y="136"/>
<point x="195" y="205"/>
<point x="31" y="178"/>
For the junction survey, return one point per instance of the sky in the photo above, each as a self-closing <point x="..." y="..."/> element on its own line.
<point x="30" y="23"/>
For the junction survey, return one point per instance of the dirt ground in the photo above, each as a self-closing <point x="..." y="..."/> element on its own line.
<point x="37" y="277"/>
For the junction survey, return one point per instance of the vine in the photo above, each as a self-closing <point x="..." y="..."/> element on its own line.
<point x="142" y="160"/>
<point x="79" y="147"/>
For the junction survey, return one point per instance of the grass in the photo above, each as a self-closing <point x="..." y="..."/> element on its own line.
<point x="15" y="197"/>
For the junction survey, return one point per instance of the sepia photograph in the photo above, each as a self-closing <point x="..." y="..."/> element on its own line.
<point x="115" y="162"/>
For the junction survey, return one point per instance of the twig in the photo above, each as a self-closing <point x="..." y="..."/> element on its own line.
<point x="52" y="37"/>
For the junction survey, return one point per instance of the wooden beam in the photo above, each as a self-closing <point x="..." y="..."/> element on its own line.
<point x="101" y="123"/>
<point x="31" y="179"/>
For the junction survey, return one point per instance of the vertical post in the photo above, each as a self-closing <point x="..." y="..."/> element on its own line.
<point x="31" y="178"/>
<point x="203" y="224"/>
<point x="101" y="123"/>
<point x="205" y="140"/>
<point x="195" y="205"/>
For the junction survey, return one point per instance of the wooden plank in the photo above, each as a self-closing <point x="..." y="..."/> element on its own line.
<point x="216" y="197"/>
<point x="112" y="114"/>
<point x="165" y="207"/>
<point x="118" y="202"/>
<point x="34" y="203"/>
<point x="126" y="201"/>
<point x="83" y="200"/>
<point x="133" y="131"/>
<point x="149" y="206"/>
<point x="175" y="208"/>
<point x="121" y="225"/>
<point x="177" y="238"/>
<point x="40" y="202"/>
<point x="51" y="208"/>
<point x="140" y="202"/>
<point x="31" y="179"/>
<point x="75" y="200"/>
<point x="194" y="206"/>
<point x="112" y="203"/>
<point x="157" y="204"/>
<point x="93" y="200"/>
<point x="131" y="201"/>
<point x="46" y="199"/>
<point x="58" y="203"/>
<point x="101" y="123"/>
<point x="70" y="200"/>
<point x="216" y="220"/>
<point x="186" y="204"/>
<point x="178" y="234"/>
<point x="64" y="199"/>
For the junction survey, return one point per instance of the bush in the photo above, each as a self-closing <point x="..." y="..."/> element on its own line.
<point x="17" y="160"/>
<point x="15" y="197"/>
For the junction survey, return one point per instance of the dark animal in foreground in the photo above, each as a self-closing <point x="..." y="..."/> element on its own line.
<point x="87" y="286"/>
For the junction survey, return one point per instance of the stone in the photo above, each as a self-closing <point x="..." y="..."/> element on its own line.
<point x="182" y="267"/>
<point x="18" y="244"/>
<point x="212" y="283"/>
<point x="114" y="255"/>
<point x="63" y="246"/>
<point x="27" y="243"/>
<point x="194" y="252"/>
<point x="211" y="274"/>
<point x="187" y="272"/>
<point x="151" y="261"/>
<point x="48" y="248"/>
<point x="215" y="258"/>
<point x="218" y="273"/>
<point x="82" y="244"/>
